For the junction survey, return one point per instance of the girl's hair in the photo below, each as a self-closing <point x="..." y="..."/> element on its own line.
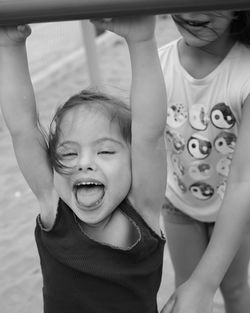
<point x="116" y="110"/>
<point x="239" y="28"/>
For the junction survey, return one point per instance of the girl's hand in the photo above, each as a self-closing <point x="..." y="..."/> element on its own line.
<point x="133" y="28"/>
<point x="14" y="35"/>
<point x="189" y="298"/>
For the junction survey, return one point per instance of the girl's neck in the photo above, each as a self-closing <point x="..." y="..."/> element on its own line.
<point x="200" y="61"/>
<point x="116" y="229"/>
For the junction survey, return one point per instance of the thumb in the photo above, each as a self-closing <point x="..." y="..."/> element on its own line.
<point x="169" y="306"/>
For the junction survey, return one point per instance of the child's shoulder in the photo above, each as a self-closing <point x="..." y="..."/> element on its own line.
<point x="238" y="60"/>
<point x="242" y="52"/>
<point x="168" y="47"/>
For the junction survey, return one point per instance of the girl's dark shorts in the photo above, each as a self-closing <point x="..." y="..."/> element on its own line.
<point x="173" y="215"/>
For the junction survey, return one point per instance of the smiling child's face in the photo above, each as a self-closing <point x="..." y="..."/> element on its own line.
<point x="100" y="179"/>
<point x="202" y="28"/>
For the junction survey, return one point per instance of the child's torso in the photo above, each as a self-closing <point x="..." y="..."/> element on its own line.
<point x="83" y="275"/>
<point x="202" y="128"/>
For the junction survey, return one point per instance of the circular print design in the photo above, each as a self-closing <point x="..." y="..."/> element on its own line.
<point x="198" y="116"/>
<point x="198" y="146"/>
<point x="200" y="171"/>
<point x="180" y="183"/>
<point x="225" y="142"/>
<point x="201" y="191"/>
<point x="176" y="140"/>
<point x="177" y="165"/>
<point x="221" y="189"/>
<point x="177" y="115"/>
<point x="222" y="116"/>
<point x="223" y="166"/>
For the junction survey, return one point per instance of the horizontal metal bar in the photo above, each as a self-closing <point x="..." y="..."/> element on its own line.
<point x="35" y="11"/>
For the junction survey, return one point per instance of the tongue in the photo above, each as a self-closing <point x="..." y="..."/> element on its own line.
<point x="89" y="196"/>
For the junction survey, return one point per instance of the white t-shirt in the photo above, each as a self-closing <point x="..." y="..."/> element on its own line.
<point x="201" y="130"/>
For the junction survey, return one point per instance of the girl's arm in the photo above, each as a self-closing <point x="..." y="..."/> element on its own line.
<point x="19" y="110"/>
<point x="149" y="107"/>
<point x="232" y="224"/>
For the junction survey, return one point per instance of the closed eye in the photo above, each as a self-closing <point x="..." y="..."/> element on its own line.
<point x="106" y="152"/>
<point x="69" y="154"/>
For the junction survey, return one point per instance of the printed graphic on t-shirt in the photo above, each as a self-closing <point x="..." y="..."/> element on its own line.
<point x="223" y="166"/>
<point x="222" y="116"/>
<point x="199" y="146"/>
<point x="179" y="183"/>
<point x="177" y="115"/>
<point x="225" y="142"/>
<point x="222" y="188"/>
<point x="176" y="140"/>
<point x="201" y="191"/>
<point x="198" y="116"/>
<point x="200" y="171"/>
<point x="213" y="140"/>
<point x="177" y="165"/>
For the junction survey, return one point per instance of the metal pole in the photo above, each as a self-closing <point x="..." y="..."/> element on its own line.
<point x="89" y="35"/>
<point x="34" y="11"/>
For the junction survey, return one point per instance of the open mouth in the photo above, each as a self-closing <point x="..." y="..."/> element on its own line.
<point x="89" y="194"/>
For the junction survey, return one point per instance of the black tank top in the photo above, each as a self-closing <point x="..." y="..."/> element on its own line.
<point x="81" y="275"/>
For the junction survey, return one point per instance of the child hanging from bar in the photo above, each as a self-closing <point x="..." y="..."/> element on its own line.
<point x="97" y="177"/>
<point x="208" y="125"/>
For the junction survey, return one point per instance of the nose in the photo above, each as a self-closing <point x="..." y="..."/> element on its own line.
<point x="86" y="163"/>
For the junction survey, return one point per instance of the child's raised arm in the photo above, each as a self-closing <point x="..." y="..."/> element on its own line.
<point x="19" y="110"/>
<point x="149" y="107"/>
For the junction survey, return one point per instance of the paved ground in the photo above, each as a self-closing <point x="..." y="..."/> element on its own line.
<point x="58" y="69"/>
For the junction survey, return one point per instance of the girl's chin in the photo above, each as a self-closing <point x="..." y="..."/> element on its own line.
<point x="198" y="41"/>
<point x="88" y="217"/>
<point x="92" y="222"/>
<point x="88" y="208"/>
<point x="88" y="214"/>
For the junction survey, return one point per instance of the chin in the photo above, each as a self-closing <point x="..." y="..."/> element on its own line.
<point x="195" y="42"/>
<point x="91" y="218"/>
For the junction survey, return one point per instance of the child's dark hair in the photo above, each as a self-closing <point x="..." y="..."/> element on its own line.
<point x="240" y="27"/>
<point x="116" y="110"/>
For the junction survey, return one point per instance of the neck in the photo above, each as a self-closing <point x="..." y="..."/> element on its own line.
<point x="200" y="61"/>
<point x="97" y="228"/>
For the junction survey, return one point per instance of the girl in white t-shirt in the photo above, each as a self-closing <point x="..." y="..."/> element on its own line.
<point x="207" y="76"/>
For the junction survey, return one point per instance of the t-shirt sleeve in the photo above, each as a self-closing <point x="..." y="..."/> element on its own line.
<point x="245" y="90"/>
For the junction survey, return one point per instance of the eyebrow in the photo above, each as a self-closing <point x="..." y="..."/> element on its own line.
<point x="99" y="140"/>
<point x="103" y="139"/>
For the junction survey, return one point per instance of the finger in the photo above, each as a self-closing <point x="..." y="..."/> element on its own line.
<point x="24" y="29"/>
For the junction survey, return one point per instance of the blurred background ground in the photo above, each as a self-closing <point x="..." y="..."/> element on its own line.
<point x="58" y="68"/>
